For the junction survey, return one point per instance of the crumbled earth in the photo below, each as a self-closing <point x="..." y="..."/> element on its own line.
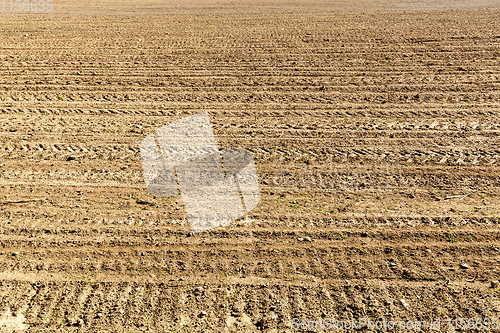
<point x="375" y="135"/>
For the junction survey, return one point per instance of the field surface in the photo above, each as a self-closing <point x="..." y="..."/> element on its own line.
<point x="374" y="130"/>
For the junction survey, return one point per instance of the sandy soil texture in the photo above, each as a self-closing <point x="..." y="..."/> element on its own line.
<point x="375" y="137"/>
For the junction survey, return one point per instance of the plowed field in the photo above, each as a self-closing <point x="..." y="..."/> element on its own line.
<point x="376" y="140"/>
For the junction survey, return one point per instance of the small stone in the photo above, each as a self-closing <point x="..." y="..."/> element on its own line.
<point x="202" y="314"/>
<point x="308" y="239"/>
<point x="494" y="284"/>
<point x="464" y="266"/>
<point x="138" y="126"/>
<point x="404" y="303"/>
<point x="300" y="239"/>
<point x="392" y="264"/>
<point x="71" y="158"/>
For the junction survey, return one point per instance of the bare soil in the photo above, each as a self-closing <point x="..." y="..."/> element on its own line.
<point x="85" y="248"/>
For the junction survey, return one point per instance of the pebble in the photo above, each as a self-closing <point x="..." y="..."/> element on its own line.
<point x="71" y="158"/>
<point x="404" y="303"/>
<point x="300" y="239"/>
<point x="308" y="239"/>
<point x="494" y="284"/>
<point x="202" y="314"/>
<point x="464" y="266"/>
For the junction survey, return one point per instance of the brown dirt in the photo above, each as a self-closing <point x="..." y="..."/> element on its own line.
<point x="85" y="248"/>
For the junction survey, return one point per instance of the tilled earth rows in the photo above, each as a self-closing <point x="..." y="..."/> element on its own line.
<point x="375" y="138"/>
